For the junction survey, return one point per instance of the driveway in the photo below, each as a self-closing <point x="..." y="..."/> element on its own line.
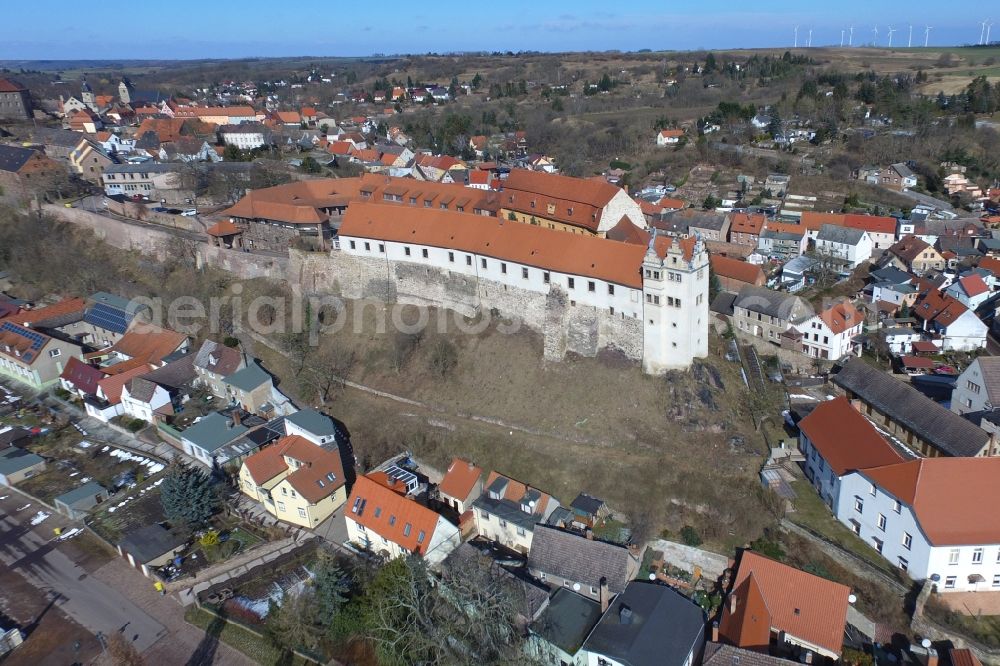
<point x="334" y="528"/>
<point x="31" y="551"/>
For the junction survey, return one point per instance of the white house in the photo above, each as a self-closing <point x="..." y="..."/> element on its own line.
<point x="141" y="399"/>
<point x="669" y="137"/>
<point x="508" y="510"/>
<point x="245" y="136"/>
<point x="932" y="517"/>
<point x="837" y="439"/>
<point x="316" y="427"/>
<point x="830" y="334"/>
<point x="970" y="290"/>
<point x="978" y="387"/>
<point x="900" y="339"/>
<point x="386" y="522"/>
<point x="114" y="143"/>
<point x="850" y="247"/>
<point x="958" y="326"/>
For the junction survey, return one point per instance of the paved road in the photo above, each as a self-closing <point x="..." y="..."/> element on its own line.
<point x="927" y="200"/>
<point x="31" y="551"/>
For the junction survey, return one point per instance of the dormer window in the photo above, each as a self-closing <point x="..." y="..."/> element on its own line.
<point x="494" y="495"/>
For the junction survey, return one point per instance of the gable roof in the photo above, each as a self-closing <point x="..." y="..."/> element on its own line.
<point x="773" y="303"/>
<point x="579" y="559"/>
<point x="871" y="223"/>
<point x="12" y="158"/>
<point x="798" y="603"/>
<point x="248" y="378"/>
<point x="989" y="370"/>
<point x="84" y="492"/>
<point x="745" y="223"/>
<point x="576" y="201"/>
<point x="648" y="625"/>
<point x="845" y="438"/>
<point x="719" y="654"/>
<point x="15" y="459"/>
<point x="149" y="342"/>
<point x="313" y="422"/>
<point x="82" y="375"/>
<point x="973" y="285"/>
<point x="946" y="430"/>
<point x="909" y="248"/>
<point x="59" y="314"/>
<point x="11" y="86"/>
<point x="734" y="269"/>
<point x="151" y="542"/>
<point x="391" y="515"/>
<point x="939" y="307"/>
<point x="746" y="621"/>
<point x="953" y="499"/>
<point x="217" y="358"/>
<point x="460" y="479"/>
<point x="112" y="385"/>
<point x="319" y="475"/>
<point x="213" y="432"/>
<point x="840" y="235"/>
<point x="21" y="344"/>
<point x="841" y="316"/>
<point x="567" y="620"/>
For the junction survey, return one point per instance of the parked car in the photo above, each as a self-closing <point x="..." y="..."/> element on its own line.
<point x="191" y="212"/>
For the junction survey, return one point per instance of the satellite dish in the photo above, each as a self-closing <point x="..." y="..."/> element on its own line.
<point x="851" y="598"/>
<point x="531" y="504"/>
<point x="576" y="587"/>
<point x="926" y="643"/>
<point x="652" y="576"/>
<point x="935" y="577"/>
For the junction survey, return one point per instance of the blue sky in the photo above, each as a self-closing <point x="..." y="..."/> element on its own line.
<point x="200" y="29"/>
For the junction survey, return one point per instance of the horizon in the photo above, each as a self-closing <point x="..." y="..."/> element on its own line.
<point x="258" y="31"/>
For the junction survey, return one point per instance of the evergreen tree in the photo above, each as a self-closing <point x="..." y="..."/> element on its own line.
<point x="330" y="587"/>
<point x="187" y="495"/>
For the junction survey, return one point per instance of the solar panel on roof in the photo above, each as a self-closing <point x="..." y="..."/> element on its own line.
<point x="108" y="318"/>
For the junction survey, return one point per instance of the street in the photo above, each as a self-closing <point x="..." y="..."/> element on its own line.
<point x="30" y="550"/>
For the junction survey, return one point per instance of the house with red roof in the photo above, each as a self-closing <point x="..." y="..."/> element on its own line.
<point x="970" y="290"/>
<point x="778" y="609"/>
<point x="382" y="519"/>
<point x="106" y="404"/>
<point x="462" y="484"/>
<point x="508" y="510"/>
<point x="81" y="378"/>
<point x="745" y="228"/>
<point x="837" y="439"/>
<point x="669" y="137"/>
<point x="296" y="480"/>
<point x="934" y="518"/>
<point x="831" y="334"/>
<point x="734" y="274"/>
<point x="956" y="325"/>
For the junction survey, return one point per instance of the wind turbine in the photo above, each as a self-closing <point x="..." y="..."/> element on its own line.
<point x="796" y="36"/>
<point x="875" y="43"/>
<point x="850" y="37"/>
<point x="811" y="37"/>
<point x="988" y="26"/>
<point x="891" y="30"/>
<point x="841" y="38"/>
<point x="927" y="35"/>
<point x="909" y="42"/>
<point x="982" y="32"/>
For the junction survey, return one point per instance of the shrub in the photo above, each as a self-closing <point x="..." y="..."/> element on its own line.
<point x="209" y="538"/>
<point x="690" y="536"/>
<point x="135" y="425"/>
<point x="444" y="358"/>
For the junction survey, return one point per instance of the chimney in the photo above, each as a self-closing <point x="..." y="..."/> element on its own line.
<point x="605" y="595"/>
<point x="807" y="658"/>
<point x="625" y="615"/>
<point x="237" y="416"/>
<point x="589" y="534"/>
<point x="932" y="657"/>
<point x="715" y="632"/>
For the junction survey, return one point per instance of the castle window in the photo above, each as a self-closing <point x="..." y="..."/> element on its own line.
<point x="524" y="273"/>
<point x="468" y="260"/>
<point x="451" y="257"/>
<point x="503" y="267"/>
<point x="354" y="245"/>
<point x="612" y="311"/>
<point x="368" y="246"/>
<point x="591" y="286"/>
<point x="381" y="247"/>
<point x="545" y="277"/>
<point x="483" y="262"/>
<point x="424" y="252"/>
<point x="571" y="283"/>
<point x="649" y="298"/>
<point x="406" y="251"/>
<point x="611" y="290"/>
<point x="677" y="302"/>
<point x="656" y="275"/>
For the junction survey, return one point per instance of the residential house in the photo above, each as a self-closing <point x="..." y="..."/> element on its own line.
<point x="767" y="314"/>
<point x="845" y="247"/>
<point x="32" y="357"/>
<point x="795" y="272"/>
<point x="462" y="484"/>
<point x="897" y="177"/>
<point x="253" y="390"/>
<point x="188" y="149"/>
<point x="647" y="625"/>
<point x="312" y="425"/>
<point x="245" y="136"/>
<point x="557" y="634"/>
<point x="80" y="378"/>
<point x="85" y="120"/>
<point x="919" y="423"/>
<point x="589" y="567"/>
<point x="669" y="137"/>
<point x="114" y="144"/>
<point x="831" y="334"/>
<point x="719" y="654"/>
<point x="711" y="226"/>
<point x="23" y="168"/>
<point x="17" y="464"/>
<point x="835" y="440"/>
<point x="772" y="607"/>
<point x="913" y="255"/>
<point x="899" y="340"/>
<point x="508" y="511"/>
<point x="588" y="511"/>
<point x="106" y="403"/>
<point x="15" y="101"/>
<point x="296" y="480"/>
<point x="881" y="230"/>
<point x="782" y="241"/>
<point x="213" y="362"/>
<point x="385" y="521"/>
<point x="89" y="160"/>
<point x="745" y="228"/>
<point x="970" y="290"/>
<point x="205" y="437"/>
<point x="977" y="389"/>
<point x="77" y="503"/>
<point x="734" y="274"/>
<point x="151" y="547"/>
<point x="932" y="517"/>
<point x="160" y="393"/>
<point x="958" y="327"/>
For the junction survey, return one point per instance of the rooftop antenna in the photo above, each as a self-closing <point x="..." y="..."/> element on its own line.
<point x="850" y="37"/>
<point x="909" y="42"/>
<point x="875" y="43"/>
<point x="796" y="36"/>
<point x="841" y="38"/>
<point x="927" y="35"/>
<point x="891" y="30"/>
<point x="810" y="37"/>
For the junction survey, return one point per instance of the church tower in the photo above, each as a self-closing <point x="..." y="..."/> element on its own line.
<point x="675" y="303"/>
<point x="87" y="96"/>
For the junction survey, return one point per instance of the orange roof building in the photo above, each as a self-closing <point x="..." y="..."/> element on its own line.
<point x="734" y="274"/>
<point x="384" y="521"/>
<point x="462" y="483"/>
<point x="832" y="333"/>
<point x="770" y="601"/>
<point x="296" y="480"/>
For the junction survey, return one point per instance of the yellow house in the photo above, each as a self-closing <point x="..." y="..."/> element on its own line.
<point x="295" y="480"/>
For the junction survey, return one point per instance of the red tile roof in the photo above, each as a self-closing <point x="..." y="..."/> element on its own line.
<point x="841" y="317"/>
<point x="744" y="223"/>
<point x="391" y="515"/>
<point x="8" y="86"/>
<point x="82" y="375"/>
<point x="938" y="307"/>
<point x="909" y="248"/>
<point x="65" y="307"/>
<point x="802" y="605"/>
<point x="916" y="362"/>
<point x="925" y="347"/>
<point x="668" y="133"/>
<point x="845" y="438"/>
<point x="991" y="264"/>
<point x="311" y="479"/>
<point x="871" y="223"/>
<point x="112" y="385"/>
<point x="734" y="269"/>
<point x="526" y="244"/>
<point x="746" y="622"/>
<point x="954" y="499"/>
<point x="963" y="657"/>
<point x="973" y="285"/>
<point x="460" y="479"/>
<point x="585" y="197"/>
<point x="223" y="228"/>
<point x="149" y="343"/>
<point x="671" y="203"/>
